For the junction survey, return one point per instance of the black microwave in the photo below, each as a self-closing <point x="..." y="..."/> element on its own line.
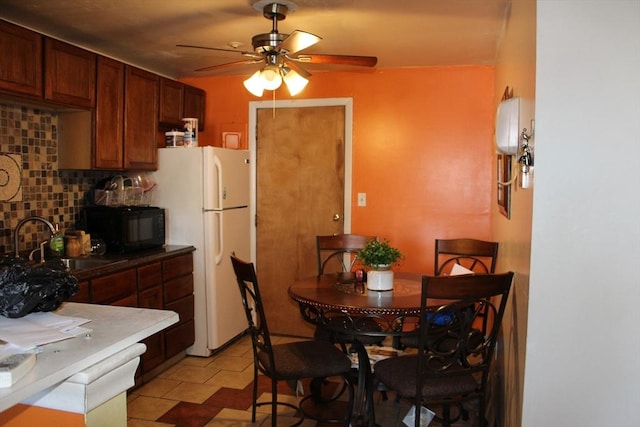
<point x="126" y="228"/>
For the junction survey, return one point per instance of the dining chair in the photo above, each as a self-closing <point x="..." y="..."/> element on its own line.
<point x="291" y="361"/>
<point x="478" y="256"/>
<point x="331" y="251"/>
<point x="453" y="366"/>
<point x="337" y="253"/>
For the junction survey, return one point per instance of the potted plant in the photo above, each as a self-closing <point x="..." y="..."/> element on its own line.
<point x="379" y="256"/>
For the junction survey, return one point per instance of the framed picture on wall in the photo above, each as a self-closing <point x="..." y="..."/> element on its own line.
<point x="504" y="184"/>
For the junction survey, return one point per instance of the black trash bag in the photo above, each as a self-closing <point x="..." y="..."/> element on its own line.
<point x="26" y="288"/>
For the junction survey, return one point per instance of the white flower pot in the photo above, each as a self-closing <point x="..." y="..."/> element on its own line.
<point x="380" y="279"/>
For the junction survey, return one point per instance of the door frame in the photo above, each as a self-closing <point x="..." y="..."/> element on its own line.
<point x="254" y="106"/>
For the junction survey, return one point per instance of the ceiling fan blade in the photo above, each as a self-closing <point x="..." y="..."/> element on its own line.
<point x="297" y="41"/>
<point x="361" y="61"/>
<point x="229" y="64"/>
<point x="241" y="52"/>
<point x="298" y="69"/>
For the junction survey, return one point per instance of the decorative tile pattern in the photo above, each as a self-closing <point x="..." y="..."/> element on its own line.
<point x="57" y="195"/>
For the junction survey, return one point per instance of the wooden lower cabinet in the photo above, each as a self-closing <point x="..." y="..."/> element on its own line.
<point x="178" y="296"/>
<point x="150" y="296"/>
<point x="166" y="284"/>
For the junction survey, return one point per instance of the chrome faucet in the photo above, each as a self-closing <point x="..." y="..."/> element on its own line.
<point x="23" y="222"/>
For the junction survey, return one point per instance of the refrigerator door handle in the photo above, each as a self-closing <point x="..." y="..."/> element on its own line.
<point x="219" y="238"/>
<point x="218" y="170"/>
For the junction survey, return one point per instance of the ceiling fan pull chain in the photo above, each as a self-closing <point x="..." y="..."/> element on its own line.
<point x="273" y="109"/>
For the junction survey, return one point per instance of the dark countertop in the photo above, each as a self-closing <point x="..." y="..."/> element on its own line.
<point x="130" y="260"/>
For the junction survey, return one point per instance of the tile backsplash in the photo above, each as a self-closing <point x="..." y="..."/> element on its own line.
<point x="30" y="135"/>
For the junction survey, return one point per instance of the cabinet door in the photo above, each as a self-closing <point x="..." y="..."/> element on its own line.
<point x="21" y="59"/>
<point x="194" y="100"/>
<point x="179" y="338"/>
<point x="154" y="355"/>
<point x="170" y="111"/>
<point x="70" y="74"/>
<point x="140" y="119"/>
<point x="109" y="127"/>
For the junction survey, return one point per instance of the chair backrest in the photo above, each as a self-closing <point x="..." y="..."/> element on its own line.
<point x="331" y="251"/>
<point x="452" y="342"/>
<point x="253" y="308"/>
<point x="478" y="256"/>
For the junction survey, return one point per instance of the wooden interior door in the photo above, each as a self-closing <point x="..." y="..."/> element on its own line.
<point x="300" y="156"/>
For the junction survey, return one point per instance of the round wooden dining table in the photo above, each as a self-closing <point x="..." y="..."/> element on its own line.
<point x="340" y="291"/>
<point x="338" y="296"/>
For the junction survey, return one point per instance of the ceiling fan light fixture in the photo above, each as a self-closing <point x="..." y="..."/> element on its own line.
<point x="254" y="84"/>
<point x="270" y="77"/>
<point x="294" y="81"/>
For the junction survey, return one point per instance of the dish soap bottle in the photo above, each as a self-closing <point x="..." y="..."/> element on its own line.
<point x="57" y="242"/>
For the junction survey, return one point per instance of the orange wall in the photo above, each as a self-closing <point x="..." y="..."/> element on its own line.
<point x="422" y="147"/>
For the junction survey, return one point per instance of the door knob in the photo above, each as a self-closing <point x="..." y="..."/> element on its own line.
<point x="336" y="217"/>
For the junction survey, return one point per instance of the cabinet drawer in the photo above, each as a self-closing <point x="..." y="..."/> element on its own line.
<point x="179" y="338"/>
<point x="149" y="276"/>
<point x="114" y="287"/>
<point x="184" y="308"/>
<point x="178" y="288"/>
<point x="178" y="266"/>
<point x="83" y="293"/>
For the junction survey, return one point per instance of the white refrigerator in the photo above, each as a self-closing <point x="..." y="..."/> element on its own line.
<point x="205" y="193"/>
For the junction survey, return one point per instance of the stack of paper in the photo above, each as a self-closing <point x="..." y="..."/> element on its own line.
<point x="40" y="328"/>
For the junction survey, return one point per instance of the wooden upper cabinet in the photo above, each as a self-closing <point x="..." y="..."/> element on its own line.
<point x="170" y="110"/>
<point x="21" y="60"/>
<point x="194" y="100"/>
<point x="70" y="74"/>
<point x="140" y="119"/>
<point x="109" y="123"/>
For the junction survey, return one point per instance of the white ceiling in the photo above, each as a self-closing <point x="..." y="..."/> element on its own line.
<point x="401" y="33"/>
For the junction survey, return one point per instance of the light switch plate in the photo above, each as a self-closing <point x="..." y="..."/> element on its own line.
<point x="362" y="199"/>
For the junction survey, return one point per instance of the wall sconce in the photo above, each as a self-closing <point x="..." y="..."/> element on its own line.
<point x="525" y="161"/>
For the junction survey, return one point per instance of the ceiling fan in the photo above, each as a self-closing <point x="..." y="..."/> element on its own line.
<point x="280" y="54"/>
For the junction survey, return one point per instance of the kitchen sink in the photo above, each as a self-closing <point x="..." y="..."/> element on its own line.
<point x="75" y="264"/>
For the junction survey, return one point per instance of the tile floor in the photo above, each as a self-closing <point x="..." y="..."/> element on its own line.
<point x="216" y="391"/>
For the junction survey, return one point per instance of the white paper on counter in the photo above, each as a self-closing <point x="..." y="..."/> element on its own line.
<point x="39" y="328"/>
